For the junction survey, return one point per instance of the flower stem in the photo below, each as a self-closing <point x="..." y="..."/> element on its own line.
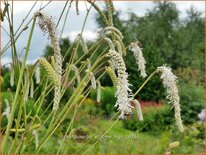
<point x="14" y="103"/>
<point x="140" y="88"/>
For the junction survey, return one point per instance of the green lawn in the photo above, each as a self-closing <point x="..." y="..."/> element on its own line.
<point x="122" y="141"/>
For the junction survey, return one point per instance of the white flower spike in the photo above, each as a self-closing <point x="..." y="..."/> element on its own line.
<point x="123" y="93"/>
<point x="170" y="83"/>
<point x="137" y="51"/>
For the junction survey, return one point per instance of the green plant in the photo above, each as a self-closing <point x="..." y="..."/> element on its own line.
<point x="155" y="119"/>
<point x="192" y="101"/>
<point x="169" y="39"/>
<point x="107" y="101"/>
<point x="193" y="138"/>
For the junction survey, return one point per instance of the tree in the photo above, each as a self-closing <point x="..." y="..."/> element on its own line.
<point x="190" y="42"/>
<point x="165" y="39"/>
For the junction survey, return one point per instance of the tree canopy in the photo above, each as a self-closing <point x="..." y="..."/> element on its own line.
<point x="165" y="38"/>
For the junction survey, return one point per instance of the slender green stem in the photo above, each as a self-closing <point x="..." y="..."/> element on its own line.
<point x="73" y="117"/>
<point x="84" y="23"/>
<point x="17" y="125"/>
<point x="13" y="45"/>
<point x="140" y="88"/>
<point x="88" y="90"/>
<point x="104" y="18"/>
<point x="98" y="44"/>
<point x="66" y="16"/>
<point x="62" y="13"/>
<point x="25" y="18"/>
<point x="73" y="99"/>
<point x="7" y="33"/>
<point x="59" y="119"/>
<point x="8" y="44"/>
<point x="14" y="103"/>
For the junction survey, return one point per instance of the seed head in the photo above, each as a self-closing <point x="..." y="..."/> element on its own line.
<point x="111" y="45"/>
<point x="76" y="71"/>
<point x="112" y="28"/>
<point x="32" y="89"/>
<point x="134" y="47"/>
<point x="112" y="75"/>
<point x="98" y="91"/>
<point x="12" y="76"/>
<point x="138" y="109"/>
<point x="37" y="74"/>
<point x="36" y="139"/>
<point x="123" y="93"/>
<point x="7" y="110"/>
<point x="50" y="71"/>
<point x="27" y="84"/>
<point x="47" y="25"/>
<point x="170" y="84"/>
<point x="93" y="81"/>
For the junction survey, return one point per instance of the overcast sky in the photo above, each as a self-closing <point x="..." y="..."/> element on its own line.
<point x="74" y="22"/>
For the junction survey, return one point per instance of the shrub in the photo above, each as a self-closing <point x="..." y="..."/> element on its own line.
<point x="192" y="101"/>
<point x="6" y="82"/>
<point x="155" y="118"/>
<point x="192" y="139"/>
<point x="189" y="75"/>
<point x="107" y="100"/>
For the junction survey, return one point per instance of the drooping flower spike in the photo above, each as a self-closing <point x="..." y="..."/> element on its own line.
<point x="170" y="84"/>
<point x="36" y="138"/>
<point x="98" y="91"/>
<point x="27" y="84"/>
<point x="93" y="81"/>
<point x="52" y="75"/>
<point x="138" y="109"/>
<point x="37" y="74"/>
<point x="112" y="75"/>
<point x="137" y="51"/>
<point x="47" y="25"/>
<point x="7" y="110"/>
<point x="12" y="75"/>
<point x="123" y="93"/>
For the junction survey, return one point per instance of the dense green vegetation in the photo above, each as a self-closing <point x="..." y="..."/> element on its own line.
<point x="166" y="39"/>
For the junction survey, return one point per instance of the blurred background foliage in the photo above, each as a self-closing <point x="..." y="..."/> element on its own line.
<point x="165" y="38"/>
